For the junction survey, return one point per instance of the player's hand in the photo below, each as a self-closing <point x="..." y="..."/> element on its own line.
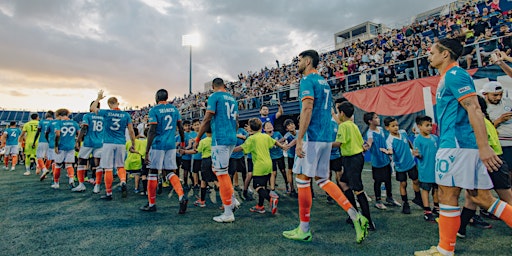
<point x="491" y="161"/>
<point x="298" y="149"/>
<point x="100" y="95"/>
<point x="56" y="150"/>
<point x="146" y="159"/>
<point x="77" y="146"/>
<point x="366" y="146"/>
<point x="416" y="152"/>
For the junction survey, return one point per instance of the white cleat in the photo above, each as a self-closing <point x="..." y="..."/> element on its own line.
<point x="71" y="183"/>
<point x="5" y="168"/>
<point x="224" y="218"/>
<point x="27" y="173"/>
<point x="79" y="188"/>
<point x="235" y="204"/>
<point x="55" y="185"/>
<point x="12" y="169"/>
<point x="96" y="189"/>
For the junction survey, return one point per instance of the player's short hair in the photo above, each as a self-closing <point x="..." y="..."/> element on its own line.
<point x="186" y="122"/>
<point x="262" y="106"/>
<point x="367" y="117"/>
<point x="218" y="82"/>
<point x="288" y="122"/>
<point x="161" y="95"/>
<point x="347" y="108"/>
<point x="267" y="122"/>
<point x="112" y="100"/>
<point x="196" y="121"/>
<point x="50" y="114"/>
<point x="34" y="116"/>
<point x="388" y="120"/>
<point x="62" y="112"/>
<point x="311" y="54"/>
<point x="452" y="45"/>
<point x="98" y="106"/>
<point x="13" y="123"/>
<point x="340" y="100"/>
<point x="421" y="119"/>
<point x="255" y="124"/>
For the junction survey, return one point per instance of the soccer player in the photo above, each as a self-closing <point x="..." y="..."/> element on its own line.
<point x="464" y="157"/>
<point x="91" y="134"/>
<point x="65" y="139"/>
<point x="161" y="151"/>
<point x="135" y="157"/>
<point x="42" y="145"/>
<point x="50" y="137"/>
<point x="221" y="115"/>
<point x="10" y="143"/>
<point x="114" y="142"/>
<point x="28" y="136"/>
<point x="313" y="149"/>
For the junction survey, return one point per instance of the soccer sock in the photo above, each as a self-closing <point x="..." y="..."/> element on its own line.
<point x="109" y="177"/>
<point x="144" y="185"/>
<point x="465" y="217"/>
<point x="48" y="164"/>
<point x="427" y="209"/>
<point x="176" y="184"/>
<point x="335" y="192"/>
<point x="365" y="207"/>
<point x="121" y="173"/>
<point x="262" y="196"/>
<point x="225" y="189"/>
<point x="14" y="160"/>
<point x="350" y="197"/>
<point x="40" y="164"/>
<point x="80" y="173"/>
<point x="27" y="163"/>
<point x="203" y="194"/>
<point x="377" y="191"/>
<point x="152" y="184"/>
<point x="6" y="160"/>
<point x="449" y="223"/>
<point x="70" y="170"/>
<point x="404" y="199"/>
<point x="99" y="175"/>
<point x="417" y="195"/>
<point x="56" y="173"/>
<point x="502" y="210"/>
<point x="305" y="202"/>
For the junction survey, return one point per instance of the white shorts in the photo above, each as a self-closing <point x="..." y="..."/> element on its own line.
<point x="50" y="154"/>
<point x="315" y="163"/>
<point x="461" y="167"/>
<point x="42" y="150"/>
<point x="85" y="152"/>
<point x="65" y="156"/>
<point x="162" y="159"/>
<point x="220" y="156"/>
<point x="112" y="156"/>
<point x="11" y="150"/>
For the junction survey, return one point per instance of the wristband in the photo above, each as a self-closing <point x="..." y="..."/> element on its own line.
<point x="182" y="144"/>
<point x="197" y="140"/>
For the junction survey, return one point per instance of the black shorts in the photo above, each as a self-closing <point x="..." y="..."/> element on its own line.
<point x="278" y="163"/>
<point x="236" y="165"/>
<point x="207" y="174"/>
<point x="352" y="169"/>
<point x="291" y="162"/>
<point x="501" y="177"/>
<point x="178" y="162"/>
<point x="133" y="171"/>
<point x="507" y="155"/>
<point x="196" y="166"/>
<point x="428" y="186"/>
<point x="336" y="164"/>
<point x="260" y="181"/>
<point x="381" y="174"/>
<point x="186" y="164"/>
<point x="412" y="173"/>
<point x="250" y="165"/>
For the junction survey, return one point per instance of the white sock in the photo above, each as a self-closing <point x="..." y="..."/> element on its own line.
<point x="304" y="226"/>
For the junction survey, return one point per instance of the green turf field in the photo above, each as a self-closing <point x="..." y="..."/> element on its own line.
<point x="37" y="220"/>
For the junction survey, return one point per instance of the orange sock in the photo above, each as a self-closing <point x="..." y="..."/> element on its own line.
<point x="6" y="160"/>
<point x="502" y="210"/>
<point x="99" y="176"/>
<point x="70" y="170"/>
<point x="121" y="173"/>
<point x="449" y="223"/>
<point x="40" y="164"/>
<point x="335" y="192"/>
<point x="151" y="189"/>
<point x="14" y="160"/>
<point x="109" y="177"/>
<point x="48" y="164"/>
<point x="56" y="174"/>
<point x="305" y="199"/>
<point x="80" y="173"/>
<point x="176" y="184"/>
<point x="225" y="189"/>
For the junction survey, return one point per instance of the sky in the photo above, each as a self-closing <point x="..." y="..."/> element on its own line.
<point x="59" y="53"/>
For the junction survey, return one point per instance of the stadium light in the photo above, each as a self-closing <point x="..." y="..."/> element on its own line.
<point x="190" y="40"/>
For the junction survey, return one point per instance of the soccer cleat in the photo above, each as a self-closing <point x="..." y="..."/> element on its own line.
<point x="461" y="233"/>
<point x="488" y="215"/>
<point x="5" y="168"/>
<point x="298" y="234"/>
<point x="12" y="169"/>
<point x="136" y="191"/>
<point x="38" y="171"/>
<point x="330" y="200"/>
<point x="223" y="218"/>
<point x="273" y="194"/>
<point x="148" y="208"/>
<point x="106" y="197"/>
<point x="361" y="226"/>
<point x="183" y="205"/>
<point x="27" y="173"/>
<point x="237" y="188"/>
<point x="71" y="183"/>
<point x="43" y="176"/>
<point x="478" y="222"/>
<point x="258" y="209"/>
<point x="96" y="189"/>
<point x="429" y="217"/>
<point x="430" y="252"/>
<point x="165" y="184"/>
<point x="406" y="209"/>
<point x="435" y="211"/>
<point x="124" y="192"/>
<point x="371" y="226"/>
<point x="235" y="204"/>
<point x="200" y="203"/>
<point x="273" y="205"/>
<point x="392" y="202"/>
<point x="79" y="188"/>
<point x="294" y="194"/>
<point x="55" y="185"/>
<point x="379" y="205"/>
<point x="418" y="202"/>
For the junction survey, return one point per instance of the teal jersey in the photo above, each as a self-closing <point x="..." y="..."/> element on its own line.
<point x="427" y="148"/>
<point x="196" y="156"/>
<point x="166" y="118"/>
<point x="315" y="87"/>
<point x="402" y="155"/>
<point x="43" y="126"/>
<point x="115" y="122"/>
<point x="68" y="130"/>
<point x="452" y="119"/>
<point x="289" y="138"/>
<point x="335" y="151"/>
<point x="95" y="125"/>
<point x="238" y="155"/>
<point x="224" y="121"/>
<point x="51" y="132"/>
<point x="275" y="151"/>
<point x="379" y="158"/>
<point x="13" y="134"/>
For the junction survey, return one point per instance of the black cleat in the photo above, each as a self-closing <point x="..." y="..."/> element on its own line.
<point x="106" y="197"/>
<point x="406" y="209"/>
<point x="418" y="202"/>
<point x="183" y="205"/>
<point x="124" y="191"/>
<point x="147" y="208"/>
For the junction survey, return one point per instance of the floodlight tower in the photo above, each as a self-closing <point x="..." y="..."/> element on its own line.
<point x="190" y="40"/>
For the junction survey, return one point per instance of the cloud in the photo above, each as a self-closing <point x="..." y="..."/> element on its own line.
<point x="16" y="93"/>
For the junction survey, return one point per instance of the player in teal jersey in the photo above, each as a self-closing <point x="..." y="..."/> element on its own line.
<point x="42" y="147"/>
<point x="50" y="137"/>
<point x="65" y="139"/>
<point x="221" y="115"/>
<point x="10" y="143"/>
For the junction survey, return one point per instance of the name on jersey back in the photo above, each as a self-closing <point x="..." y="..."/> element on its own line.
<point x="166" y="110"/>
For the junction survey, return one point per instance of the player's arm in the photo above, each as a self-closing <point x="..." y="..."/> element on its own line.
<point x="151" y="137"/>
<point x="182" y="133"/>
<point x="305" y="119"/>
<point x="81" y="135"/>
<point x="38" y="132"/>
<point x="22" y="136"/>
<point x="4" y="139"/>
<point x="476" y="118"/>
<point x="94" y="106"/>
<point x="206" y="122"/>
<point x="131" y="133"/>
<point x="280" y="110"/>
<point x="281" y="145"/>
<point x="57" y="138"/>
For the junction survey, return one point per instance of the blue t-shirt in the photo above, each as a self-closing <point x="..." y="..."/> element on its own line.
<point x="335" y="151"/>
<point x="269" y="118"/>
<point x="187" y="143"/>
<point x="95" y="128"/>
<point x="427" y="148"/>
<point x="402" y="155"/>
<point x="115" y="122"/>
<point x="452" y="119"/>
<point x="238" y="155"/>
<point x="12" y="136"/>
<point x="379" y="158"/>
<point x="275" y="151"/>
<point x="68" y="130"/>
<point x="289" y="138"/>
<point x="314" y="86"/>
<point x="224" y="121"/>
<point x="51" y="132"/>
<point x="43" y="125"/>
<point x="165" y="117"/>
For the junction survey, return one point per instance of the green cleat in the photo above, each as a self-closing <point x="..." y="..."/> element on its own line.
<point x="430" y="252"/>
<point x="298" y="234"/>
<point x="361" y="227"/>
